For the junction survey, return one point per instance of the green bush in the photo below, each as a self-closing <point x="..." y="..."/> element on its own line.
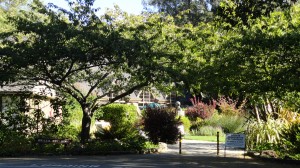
<point x="186" y="123"/>
<point x="68" y="132"/>
<point x="229" y="123"/>
<point x="97" y="147"/>
<point x="72" y="114"/>
<point x="68" y="127"/>
<point x="291" y="140"/>
<point x="136" y="143"/>
<point x="161" y="125"/>
<point x="232" y="124"/>
<point x="263" y="134"/>
<point x="207" y="131"/>
<point x="13" y="143"/>
<point x="123" y="119"/>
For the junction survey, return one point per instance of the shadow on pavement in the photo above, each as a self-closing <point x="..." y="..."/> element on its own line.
<point x="150" y="160"/>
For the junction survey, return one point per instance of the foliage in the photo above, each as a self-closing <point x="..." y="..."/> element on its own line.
<point x="185" y="11"/>
<point x="200" y="110"/>
<point x="21" y="125"/>
<point x="110" y="146"/>
<point x="60" y="126"/>
<point x="251" y="51"/>
<point x="161" y="125"/>
<point x="186" y="123"/>
<point x="74" y="52"/>
<point x="292" y="101"/>
<point x="227" y="106"/>
<point x="15" y="115"/>
<point x="72" y="114"/>
<point x="234" y="11"/>
<point x="123" y="119"/>
<point x="207" y="131"/>
<point x="263" y="133"/>
<point x="291" y="140"/>
<point x="228" y="123"/>
<point x="134" y="141"/>
<point x="288" y="116"/>
<point x="232" y="124"/>
<point x="98" y="147"/>
<point x="13" y="143"/>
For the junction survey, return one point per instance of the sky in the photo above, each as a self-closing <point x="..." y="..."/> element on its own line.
<point x="129" y="6"/>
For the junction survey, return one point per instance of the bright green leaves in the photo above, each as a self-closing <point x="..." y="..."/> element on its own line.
<point x="263" y="57"/>
<point x="234" y="12"/>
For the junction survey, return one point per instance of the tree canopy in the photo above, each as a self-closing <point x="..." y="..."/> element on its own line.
<point x="186" y="11"/>
<point x="235" y="11"/>
<point x="86" y="56"/>
<point x="89" y="57"/>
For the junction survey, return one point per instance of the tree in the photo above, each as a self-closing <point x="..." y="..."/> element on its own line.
<point x="235" y="11"/>
<point x="8" y="8"/>
<point x="259" y="62"/>
<point x="266" y="54"/>
<point x="87" y="57"/>
<point x="186" y="11"/>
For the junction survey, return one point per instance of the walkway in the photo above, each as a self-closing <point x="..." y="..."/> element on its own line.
<point x="202" y="148"/>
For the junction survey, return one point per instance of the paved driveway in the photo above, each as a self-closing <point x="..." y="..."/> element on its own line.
<point x="203" y="148"/>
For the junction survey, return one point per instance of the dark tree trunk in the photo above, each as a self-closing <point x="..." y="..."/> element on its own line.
<point x="86" y="124"/>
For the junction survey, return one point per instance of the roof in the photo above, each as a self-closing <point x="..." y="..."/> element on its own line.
<point x="16" y="88"/>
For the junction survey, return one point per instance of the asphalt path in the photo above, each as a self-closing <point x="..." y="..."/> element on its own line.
<point x="190" y="157"/>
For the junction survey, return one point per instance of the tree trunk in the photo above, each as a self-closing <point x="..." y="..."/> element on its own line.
<point x="257" y="113"/>
<point x="86" y="124"/>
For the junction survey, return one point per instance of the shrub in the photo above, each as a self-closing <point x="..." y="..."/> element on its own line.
<point x="291" y="140"/>
<point x="228" y="106"/>
<point x="161" y="125"/>
<point x="232" y="124"/>
<point x="67" y="127"/>
<point x="200" y="110"/>
<point x="263" y="133"/>
<point x="13" y="143"/>
<point x="122" y="118"/>
<point x="186" y="123"/>
<point x="229" y="123"/>
<point x="97" y="147"/>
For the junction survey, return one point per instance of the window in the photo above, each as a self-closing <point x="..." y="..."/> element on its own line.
<point x="146" y="97"/>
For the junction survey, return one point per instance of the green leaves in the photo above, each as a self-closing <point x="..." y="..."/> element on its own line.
<point x="235" y="12"/>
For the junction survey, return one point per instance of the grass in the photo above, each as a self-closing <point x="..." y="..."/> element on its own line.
<point x="204" y="138"/>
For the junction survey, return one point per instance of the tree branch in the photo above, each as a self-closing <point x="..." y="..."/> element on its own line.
<point x="129" y="91"/>
<point x="95" y="85"/>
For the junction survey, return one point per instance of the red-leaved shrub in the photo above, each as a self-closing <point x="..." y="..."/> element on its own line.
<point x="200" y="109"/>
<point x="161" y="125"/>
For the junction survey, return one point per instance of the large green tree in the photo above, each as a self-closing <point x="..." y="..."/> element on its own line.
<point x="185" y="11"/>
<point x="76" y="52"/>
<point x="8" y="8"/>
<point x="259" y="61"/>
<point x="236" y="11"/>
<point x="264" y="57"/>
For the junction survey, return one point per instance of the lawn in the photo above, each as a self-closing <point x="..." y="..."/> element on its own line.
<point x="204" y="138"/>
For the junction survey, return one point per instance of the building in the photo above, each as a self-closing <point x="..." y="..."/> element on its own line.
<point x="31" y="97"/>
